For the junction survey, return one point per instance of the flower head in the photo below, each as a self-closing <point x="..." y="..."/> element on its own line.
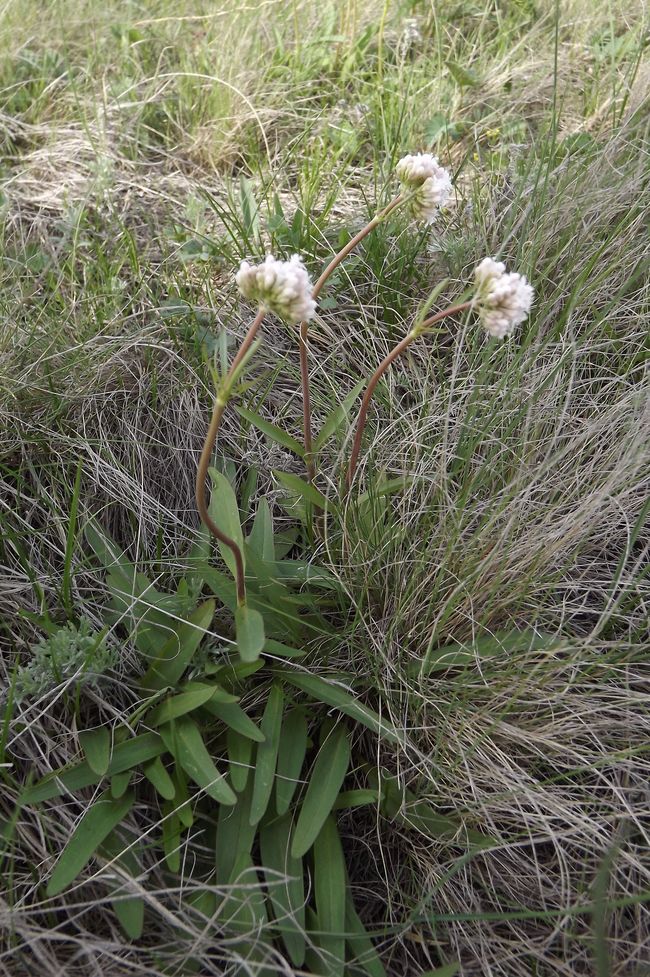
<point x="282" y="287"/>
<point x="430" y="182"/>
<point x="503" y="299"/>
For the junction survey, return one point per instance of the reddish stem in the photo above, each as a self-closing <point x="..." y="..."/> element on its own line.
<point x="304" y="328"/>
<point x="206" y="455"/>
<point x="379" y="372"/>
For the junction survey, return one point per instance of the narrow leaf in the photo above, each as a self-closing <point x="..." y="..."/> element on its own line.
<point x="128" y="909"/>
<point x="185" y="742"/>
<point x="260" y="539"/>
<point x="156" y="774"/>
<point x="125" y="755"/>
<point x="179" y="705"/>
<point x="285" y="882"/>
<point x="177" y="652"/>
<point x="362" y="949"/>
<point x="120" y="783"/>
<point x="240" y="753"/>
<point x="96" y="824"/>
<point x="267" y="754"/>
<point x="355" y="798"/>
<point x="96" y="744"/>
<point x="249" y="625"/>
<point x="327" y="775"/>
<point x="224" y="511"/>
<point x="304" y="489"/>
<point x="464" y="77"/>
<point x="334" y="695"/>
<point x="171" y="838"/>
<point x="330" y="894"/>
<point x="272" y="431"/>
<point x="337" y="416"/>
<point x="234" y="716"/>
<point x="235" y="835"/>
<point x="291" y="756"/>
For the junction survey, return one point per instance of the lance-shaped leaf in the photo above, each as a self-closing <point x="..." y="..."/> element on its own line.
<point x="327" y="775"/>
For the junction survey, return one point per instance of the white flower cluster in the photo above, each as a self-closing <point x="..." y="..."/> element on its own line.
<point x="503" y="299"/>
<point x="282" y="287"/>
<point x="431" y="181"/>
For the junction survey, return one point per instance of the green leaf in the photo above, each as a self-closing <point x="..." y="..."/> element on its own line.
<point x="96" y="744"/>
<point x="178" y="651"/>
<point x="96" y="824"/>
<point x="221" y="586"/>
<point x="285" y="882"/>
<point x="244" y="907"/>
<point x="472" y="653"/>
<point x="291" y="756"/>
<point x="327" y="775"/>
<point x="330" y="890"/>
<point x="305" y="490"/>
<point x="235" y="717"/>
<point x="403" y="805"/>
<point x="337" y="416"/>
<point x="272" y="431"/>
<point x="128" y="909"/>
<point x="382" y="489"/>
<point x="280" y="650"/>
<point x="267" y="754"/>
<point x="361" y="946"/>
<point x="260" y="539"/>
<point x="171" y="838"/>
<point x="464" y="77"/>
<point x="240" y="754"/>
<point x="323" y="691"/>
<point x="120" y="783"/>
<point x="185" y="743"/>
<point x="250" y="209"/>
<point x="125" y="756"/>
<point x="156" y="774"/>
<point x="355" y="798"/>
<point x="235" y="835"/>
<point x="135" y="601"/>
<point x="192" y="696"/>
<point x="224" y="511"/>
<point x="249" y="625"/>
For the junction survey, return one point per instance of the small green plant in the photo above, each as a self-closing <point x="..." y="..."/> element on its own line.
<point x="73" y="654"/>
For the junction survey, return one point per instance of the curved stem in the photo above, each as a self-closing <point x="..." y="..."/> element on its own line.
<point x="379" y="372"/>
<point x="206" y="455"/>
<point x="304" y="328"/>
<point x="352" y="243"/>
